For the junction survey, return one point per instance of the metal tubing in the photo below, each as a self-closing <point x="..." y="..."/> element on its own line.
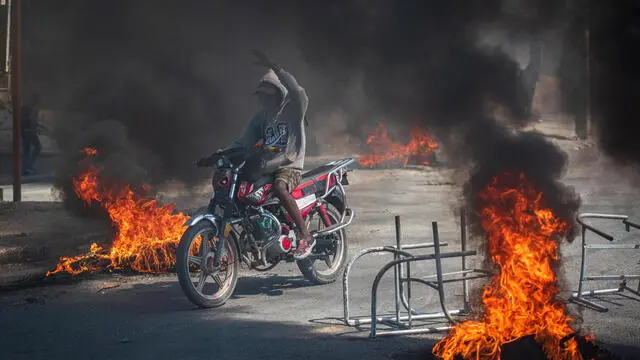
<point x="590" y="303"/>
<point x="599" y="216"/>
<point x="450" y="273"/>
<point x="391" y="318"/>
<point x="409" y="293"/>
<point x="629" y="224"/>
<point x="635" y="292"/>
<point x="387" y="266"/>
<point x="414" y="331"/>
<point x="347" y="271"/>
<point x="421" y="246"/>
<point x="436" y="250"/>
<point x="396" y="270"/>
<point x="338" y="226"/>
<point x="602" y="216"/>
<point x="463" y="247"/>
<point x="578" y="295"/>
<point x="598" y="292"/>
<point x="583" y="262"/>
<point x="613" y="246"/>
<point x="612" y="277"/>
<point x="446" y="281"/>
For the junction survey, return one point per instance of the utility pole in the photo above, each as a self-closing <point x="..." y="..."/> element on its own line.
<point x="16" y="98"/>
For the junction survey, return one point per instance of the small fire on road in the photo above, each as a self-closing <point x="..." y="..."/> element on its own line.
<point x="146" y="232"/>
<point x="419" y="150"/>
<point x="519" y="302"/>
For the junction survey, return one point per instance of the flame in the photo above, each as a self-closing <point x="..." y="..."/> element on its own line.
<point x="421" y="146"/>
<point x="146" y="236"/>
<point x="520" y="299"/>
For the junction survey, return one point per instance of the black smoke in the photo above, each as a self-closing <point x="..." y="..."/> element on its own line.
<point x="615" y="76"/>
<point x="423" y="65"/>
<point x="152" y="85"/>
<point x="175" y="77"/>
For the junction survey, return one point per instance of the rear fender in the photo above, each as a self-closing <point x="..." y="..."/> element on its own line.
<point x="337" y="198"/>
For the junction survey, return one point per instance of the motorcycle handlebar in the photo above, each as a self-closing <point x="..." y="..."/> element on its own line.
<point x="222" y="154"/>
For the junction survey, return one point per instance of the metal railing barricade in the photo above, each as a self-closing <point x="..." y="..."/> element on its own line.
<point x="406" y="324"/>
<point x="580" y="296"/>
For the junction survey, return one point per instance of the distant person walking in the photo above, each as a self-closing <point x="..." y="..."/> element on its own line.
<point x="29" y="129"/>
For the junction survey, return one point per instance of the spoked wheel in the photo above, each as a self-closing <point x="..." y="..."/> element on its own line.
<point x="329" y="255"/>
<point x="204" y="284"/>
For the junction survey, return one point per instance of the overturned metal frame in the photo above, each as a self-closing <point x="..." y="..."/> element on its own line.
<point x="405" y="324"/>
<point x="580" y="296"/>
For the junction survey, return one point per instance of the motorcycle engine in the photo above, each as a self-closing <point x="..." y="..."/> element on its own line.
<point x="266" y="227"/>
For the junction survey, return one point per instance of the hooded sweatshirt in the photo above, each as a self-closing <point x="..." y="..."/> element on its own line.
<point x="283" y="133"/>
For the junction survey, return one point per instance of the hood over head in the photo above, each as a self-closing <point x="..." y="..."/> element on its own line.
<point x="272" y="79"/>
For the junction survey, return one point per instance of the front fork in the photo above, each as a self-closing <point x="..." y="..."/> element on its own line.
<point x="220" y="244"/>
<point x="227" y="213"/>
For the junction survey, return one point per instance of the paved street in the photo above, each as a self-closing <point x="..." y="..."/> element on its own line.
<point x="278" y="315"/>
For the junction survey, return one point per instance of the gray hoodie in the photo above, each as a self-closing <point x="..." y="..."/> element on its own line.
<point x="283" y="132"/>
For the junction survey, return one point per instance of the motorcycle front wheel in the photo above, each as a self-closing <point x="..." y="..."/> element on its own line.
<point x="204" y="285"/>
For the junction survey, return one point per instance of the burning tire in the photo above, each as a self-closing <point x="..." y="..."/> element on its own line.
<point x="335" y="253"/>
<point x="192" y="258"/>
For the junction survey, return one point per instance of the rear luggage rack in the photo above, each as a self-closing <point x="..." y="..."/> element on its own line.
<point x="337" y="169"/>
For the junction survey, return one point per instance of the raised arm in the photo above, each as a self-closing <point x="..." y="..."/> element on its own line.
<point x="296" y="92"/>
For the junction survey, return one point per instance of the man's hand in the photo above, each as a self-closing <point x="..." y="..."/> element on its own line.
<point x="263" y="59"/>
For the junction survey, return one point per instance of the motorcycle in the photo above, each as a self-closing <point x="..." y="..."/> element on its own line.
<point x="244" y="222"/>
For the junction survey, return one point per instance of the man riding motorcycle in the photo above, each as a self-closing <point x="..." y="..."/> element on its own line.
<point x="277" y="132"/>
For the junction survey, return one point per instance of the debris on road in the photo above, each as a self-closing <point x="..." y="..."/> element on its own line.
<point x="107" y="286"/>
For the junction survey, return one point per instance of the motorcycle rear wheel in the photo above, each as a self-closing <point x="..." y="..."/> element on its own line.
<point x="335" y="260"/>
<point x="187" y="256"/>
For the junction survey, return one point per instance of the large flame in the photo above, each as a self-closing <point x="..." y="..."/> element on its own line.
<point x="520" y="299"/>
<point x="420" y="148"/>
<point x="146" y="232"/>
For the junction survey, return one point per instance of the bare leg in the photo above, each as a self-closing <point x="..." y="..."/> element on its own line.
<point x="289" y="204"/>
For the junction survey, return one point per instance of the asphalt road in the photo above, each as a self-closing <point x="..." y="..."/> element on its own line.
<point x="278" y="315"/>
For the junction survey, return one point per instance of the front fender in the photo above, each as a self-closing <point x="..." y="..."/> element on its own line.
<point x="215" y="221"/>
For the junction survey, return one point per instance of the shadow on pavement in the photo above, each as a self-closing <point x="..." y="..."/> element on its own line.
<point x="155" y="321"/>
<point x="271" y="285"/>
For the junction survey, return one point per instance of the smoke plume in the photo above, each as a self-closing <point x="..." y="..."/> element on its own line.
<point x="154" y="86"/>
<point x="424" y="64"/>
<point x="175" y="78"/>
<point x="614" y="75"/>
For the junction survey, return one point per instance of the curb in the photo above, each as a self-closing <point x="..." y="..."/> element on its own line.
<point x="18" y="276"/>
<point x="7" y="180"/>
<point x="22" y="254"/>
